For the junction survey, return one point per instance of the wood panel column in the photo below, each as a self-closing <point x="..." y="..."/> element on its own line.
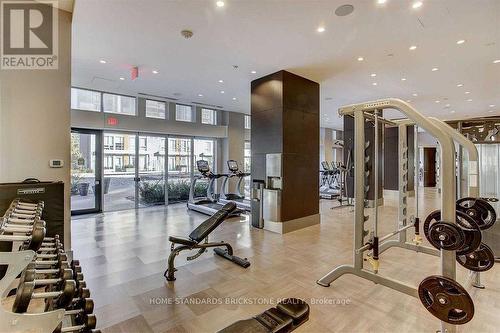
<point x="285" y="119"/>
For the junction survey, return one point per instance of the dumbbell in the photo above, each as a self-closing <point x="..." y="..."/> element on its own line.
<point x="20" y="203"/>
<point x="86" y="324"/>
<point x="29" y="275"/>
<point x="31" y="242"/>
<point x="86" y="308"/>
<point x="53" y="259"/>
<point x="26" y="292"/>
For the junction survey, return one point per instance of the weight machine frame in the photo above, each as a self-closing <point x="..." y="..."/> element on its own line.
<point x="448" y="264"/>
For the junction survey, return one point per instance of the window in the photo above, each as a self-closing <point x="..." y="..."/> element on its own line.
<point x="119" y="143"/>
<point x="87" y="100"/>
<point x="155" y="109"/>
<point x="183" y="112"/>
<point x="247" y="122"/>
<point x="108" y="162"/>
<point x="119" y="104"/>
<point x="208" y="116"/>
<point x="247" y="156"/>
<point x="108" y="142"/>
<point x="143" y="143"/>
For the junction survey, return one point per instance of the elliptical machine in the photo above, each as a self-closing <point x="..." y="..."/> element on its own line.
<point x="237" y="197"/>
<point x="208" y="204"/>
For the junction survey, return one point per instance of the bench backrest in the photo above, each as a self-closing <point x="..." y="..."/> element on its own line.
<point x="203" y="230"/>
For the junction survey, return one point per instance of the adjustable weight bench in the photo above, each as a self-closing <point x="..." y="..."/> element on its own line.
<point x="195" y="238"/>
<point x="285" y="317"/>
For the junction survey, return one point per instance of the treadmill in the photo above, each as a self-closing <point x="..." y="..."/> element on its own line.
<point x="238" y="198"/>
<point x="206" y="205"/>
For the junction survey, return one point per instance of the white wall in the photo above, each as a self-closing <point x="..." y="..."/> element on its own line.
<point x="35" y="120"/>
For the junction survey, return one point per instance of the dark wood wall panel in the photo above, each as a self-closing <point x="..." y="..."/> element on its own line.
<point x="285" y="119"/>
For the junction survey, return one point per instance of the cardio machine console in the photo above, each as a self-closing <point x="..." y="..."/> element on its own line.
<point x="232" y="165"/>
<point x="203" y="166"/>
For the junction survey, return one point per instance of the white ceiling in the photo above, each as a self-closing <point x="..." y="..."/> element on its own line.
<point x="270" y="35"/>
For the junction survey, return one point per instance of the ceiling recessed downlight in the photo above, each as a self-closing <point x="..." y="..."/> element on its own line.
<point x="374" y="83"/>
<point x="361" y="58"/>
<point x="403" y="79"/>
<point x="408" y="100"/>
<point x="222" y="91"/>
<point x="102" y="61"/>
<point x="415" y="94"/>
<point x="496" y="61"/>
<point x="321" y="29"/>
<point x="253" y="72"/>
<point x="460" y="41"/>
<point x="460" y="85"/>
<point x="221" y="81"/>
<point x="344" y="10"/>
<point x="155" y="71"/>
<point x="413" y="47"/>
<point x="452" y="111"/>
<point x="492" y="105"/>
<point x="220" y="3"/>
<point x="436" y="101"/>
<point x="467" y="92"/>
<point x="200" y="95"/>
<point x="447" y="105"/>
<point x="381" y="2"/>
<point x="122" y="78"/>
<point x="417" y="4"/>
<point x="373" y="74"/>
<point x="435" y="69"/>
<point x="234" y="98"/>
<point x="469" y="100"/>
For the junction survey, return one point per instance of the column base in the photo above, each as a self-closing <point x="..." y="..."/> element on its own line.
<point x="292" y="225"/>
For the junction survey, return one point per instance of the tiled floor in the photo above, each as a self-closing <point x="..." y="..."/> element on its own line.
<point x="123" y="255"/>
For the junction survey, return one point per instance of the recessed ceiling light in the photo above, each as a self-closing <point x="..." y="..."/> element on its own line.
<point x="490" y="111"/>
<point x="496" y="61"/>
<point x="374" y="83"/>
<point x="234" y="98"/>
<point x="469" y="100"/>
<point x="436" y="101"/>
<point x="373" y="75"/>
<point x="122" y="78"/>
<point x="221" y="81"/>
<point x="413" y="47"/>
<point x="417" y="4"/>
<point x="200" y="95"/>
<point x="321" y="29"/>
<point x="361" y="58"/>
<point x="435" y="69"/>
<point x="492" y="105"/>
<point x="461" y="41"/>
<point x="467" y="92"/>
<point x="102" y="61"/>
<point x="415" y="94"/>
<point x="447" y="105"/>
<point x="155" y="71"/>
<point x="222" y="91"/>
<point x="408" y="100"/>
<point x="403" y="79"/>
<point x="220" y="3"/>
<point x="452" y="111"/>
<point x="460" y="85"/>
<point x="381" y="2"/>
<point x="253" y="72"/>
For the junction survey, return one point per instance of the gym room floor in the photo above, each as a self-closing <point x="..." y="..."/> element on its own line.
<point x="124" y="255"/>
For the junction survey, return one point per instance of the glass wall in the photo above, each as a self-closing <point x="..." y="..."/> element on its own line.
<point x="247" y="166"/>
<point x="151" y="170"/>
<point x="179" y="169"/>
<point x="489" y="172"/>
<point x="119" y="170"/>
<point x="84" y="172"/>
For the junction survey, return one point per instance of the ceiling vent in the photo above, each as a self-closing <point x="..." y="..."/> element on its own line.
<point x="344" y="10"/>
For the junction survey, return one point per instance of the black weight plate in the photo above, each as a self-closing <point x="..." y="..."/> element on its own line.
<point x="446" y="236"/>
<point x="23" y="297"/>
<point x="480" y="260"/>
<point x="480" y="210"/>
<point x="446" y="299"/>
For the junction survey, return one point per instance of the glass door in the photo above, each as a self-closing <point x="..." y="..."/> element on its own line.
<point x="85" y="172"/>
<point x="119" y="164"/>
<point x="204" y="149"/>
<point x="151" y="170"/>
<point x="179" y="169"/>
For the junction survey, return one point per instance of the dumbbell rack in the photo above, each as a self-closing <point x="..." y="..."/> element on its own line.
<point x="35" y="261"/>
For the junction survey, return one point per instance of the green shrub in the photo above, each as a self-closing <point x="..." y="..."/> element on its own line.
<point x="152" y="193"/>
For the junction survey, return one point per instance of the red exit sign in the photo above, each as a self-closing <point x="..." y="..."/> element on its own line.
<point x="112" y="121"/>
